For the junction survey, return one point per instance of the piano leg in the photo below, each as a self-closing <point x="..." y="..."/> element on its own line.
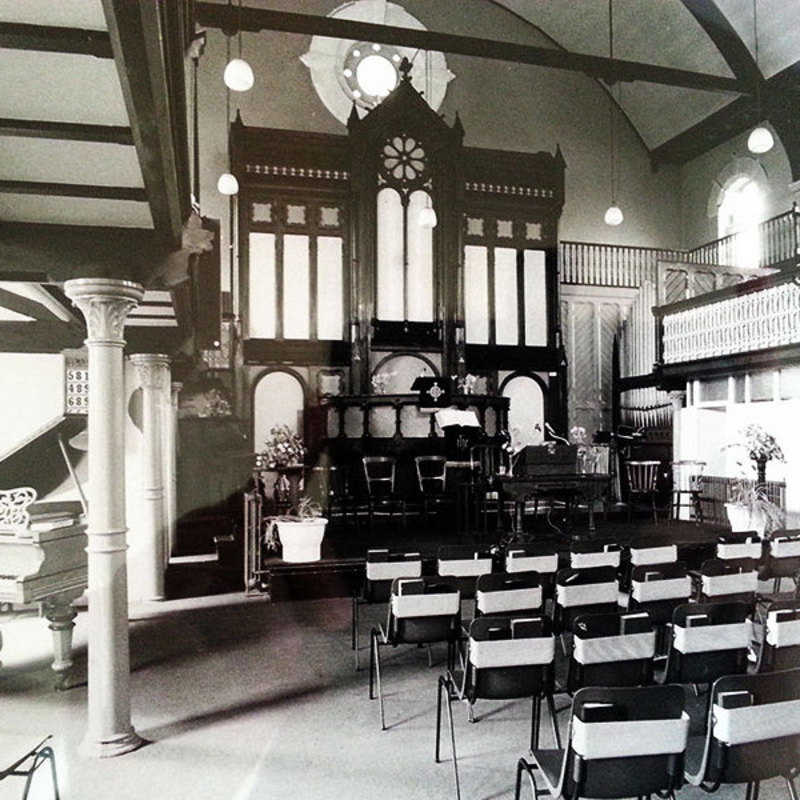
<point x="60" y="614"/>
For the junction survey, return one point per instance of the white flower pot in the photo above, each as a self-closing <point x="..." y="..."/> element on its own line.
<point x="301" y="541"/>
<point x="742" y="519"/>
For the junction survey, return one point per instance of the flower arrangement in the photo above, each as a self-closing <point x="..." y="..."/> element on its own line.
<point x="760" y="445"/>
<point x="467" y="384"/>
<point x="380" y="381"/>
<point x="282" y="449"/>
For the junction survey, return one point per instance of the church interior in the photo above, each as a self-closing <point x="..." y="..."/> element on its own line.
<point x="399" y="398"/>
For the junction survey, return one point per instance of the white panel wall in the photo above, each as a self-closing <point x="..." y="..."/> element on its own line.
<point x="476" y="288"/>
<point x="390" y="255"/>
<point x="420" y="261"/>
<point x="296" y="303"/>
<point x="505" y="296"/>
<point x="330" y="314"/>
<point x="535" y="298"/>
<point x="262" y="286"/>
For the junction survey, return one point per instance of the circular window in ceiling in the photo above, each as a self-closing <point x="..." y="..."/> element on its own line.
<point x="346" y="71"/>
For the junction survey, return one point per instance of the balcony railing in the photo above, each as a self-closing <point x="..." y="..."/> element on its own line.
<point x="755" y="315"/>
<point x="777" y="241"/>
<point x="599" y="264"/>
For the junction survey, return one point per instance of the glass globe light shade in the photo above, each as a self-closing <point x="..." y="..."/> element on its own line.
<point x="427" y="218"/>
<point x="238" y="75"/>
<point x="613" y="215"/>
<point x="227" y="184"/>
<point x="376" y="76"/>
<point x="760" y="140"/>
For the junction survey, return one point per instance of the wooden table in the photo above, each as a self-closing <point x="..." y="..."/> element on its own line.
<point x="565" y="487"/>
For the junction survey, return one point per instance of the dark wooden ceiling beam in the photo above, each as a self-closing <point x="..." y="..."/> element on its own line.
<point x="780" y="98"/>
<point x="24" y="305"/>
<point x="72" y="131"/>
<point x="73" y="190"/>
<point x="51" y="39"/>
<point x="726" y="39"/>
<point x="139" y="40"/>
<point x="214" y="15"/>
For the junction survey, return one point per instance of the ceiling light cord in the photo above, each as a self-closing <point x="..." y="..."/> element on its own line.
<point x="760" y="139"/>
<point x="613" y="215"/>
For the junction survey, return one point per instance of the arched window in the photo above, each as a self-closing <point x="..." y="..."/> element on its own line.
<point x="740" y="209"/>
<point x="405" y="246"/>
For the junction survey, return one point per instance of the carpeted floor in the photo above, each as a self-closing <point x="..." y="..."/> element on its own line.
<point x="246" y="700"/>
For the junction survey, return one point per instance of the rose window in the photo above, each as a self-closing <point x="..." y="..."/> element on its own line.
<point x="403" y="158"/>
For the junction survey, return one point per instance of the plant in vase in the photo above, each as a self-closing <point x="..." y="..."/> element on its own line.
<point x="298" y="534"/>
<point x="761" y="447"/>
<point x="282" y="449"/>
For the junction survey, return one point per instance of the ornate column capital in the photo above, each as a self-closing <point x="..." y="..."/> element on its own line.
<point x="677" y="396"/>
<point x="153" y="370"/>
<point x="105" y="303"/>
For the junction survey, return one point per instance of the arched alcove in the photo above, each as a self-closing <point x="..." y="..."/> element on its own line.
<point x="526" y="395"/>
<point x="278" y="399"/>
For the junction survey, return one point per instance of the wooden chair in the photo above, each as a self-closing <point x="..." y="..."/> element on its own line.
<point x="642" y="484"/>
<point x="687" y="485"/>
<point x="379" y="474"/>
<point x="432" y="484"/>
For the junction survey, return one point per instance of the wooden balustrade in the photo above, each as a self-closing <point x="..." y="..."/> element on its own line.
<point x="597" y="264"/>
<point x="778" y="240"/>
<point x="397" y="416"/>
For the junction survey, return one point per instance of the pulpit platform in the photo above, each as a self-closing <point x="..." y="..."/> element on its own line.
<point x="340" y="570"/>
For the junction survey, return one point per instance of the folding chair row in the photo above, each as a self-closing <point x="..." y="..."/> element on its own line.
<point x="626" y="742"/>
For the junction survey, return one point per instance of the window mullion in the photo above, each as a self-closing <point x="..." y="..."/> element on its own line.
<point x="491" y="294"/>
<point x="279" y="234"/>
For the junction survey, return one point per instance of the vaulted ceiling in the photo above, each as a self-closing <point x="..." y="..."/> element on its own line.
<point x="92" y="134"/>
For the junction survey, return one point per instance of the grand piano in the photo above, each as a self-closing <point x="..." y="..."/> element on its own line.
<point x="555" y="474"/>
<point x="43" y="564"/>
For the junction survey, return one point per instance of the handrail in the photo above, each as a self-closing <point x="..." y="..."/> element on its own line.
<point x="738" y="290"/>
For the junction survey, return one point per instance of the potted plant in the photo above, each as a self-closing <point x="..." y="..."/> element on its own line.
<point x="749" y="507"/>
<point x="298" y="535"/>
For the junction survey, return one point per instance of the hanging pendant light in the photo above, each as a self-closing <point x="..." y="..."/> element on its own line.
<point x="227" y="183"/>
<point x="613" y="215"/>
<point x="427" y="216"/>
<point x="238" y="75"/>
<point x="760" y="139"/>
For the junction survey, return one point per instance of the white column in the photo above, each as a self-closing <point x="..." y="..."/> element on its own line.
<point x="105" y="303"/>
<point x="676" y="398"/>
<point x="171" y="467"/>
<point x="153" y="371"/>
